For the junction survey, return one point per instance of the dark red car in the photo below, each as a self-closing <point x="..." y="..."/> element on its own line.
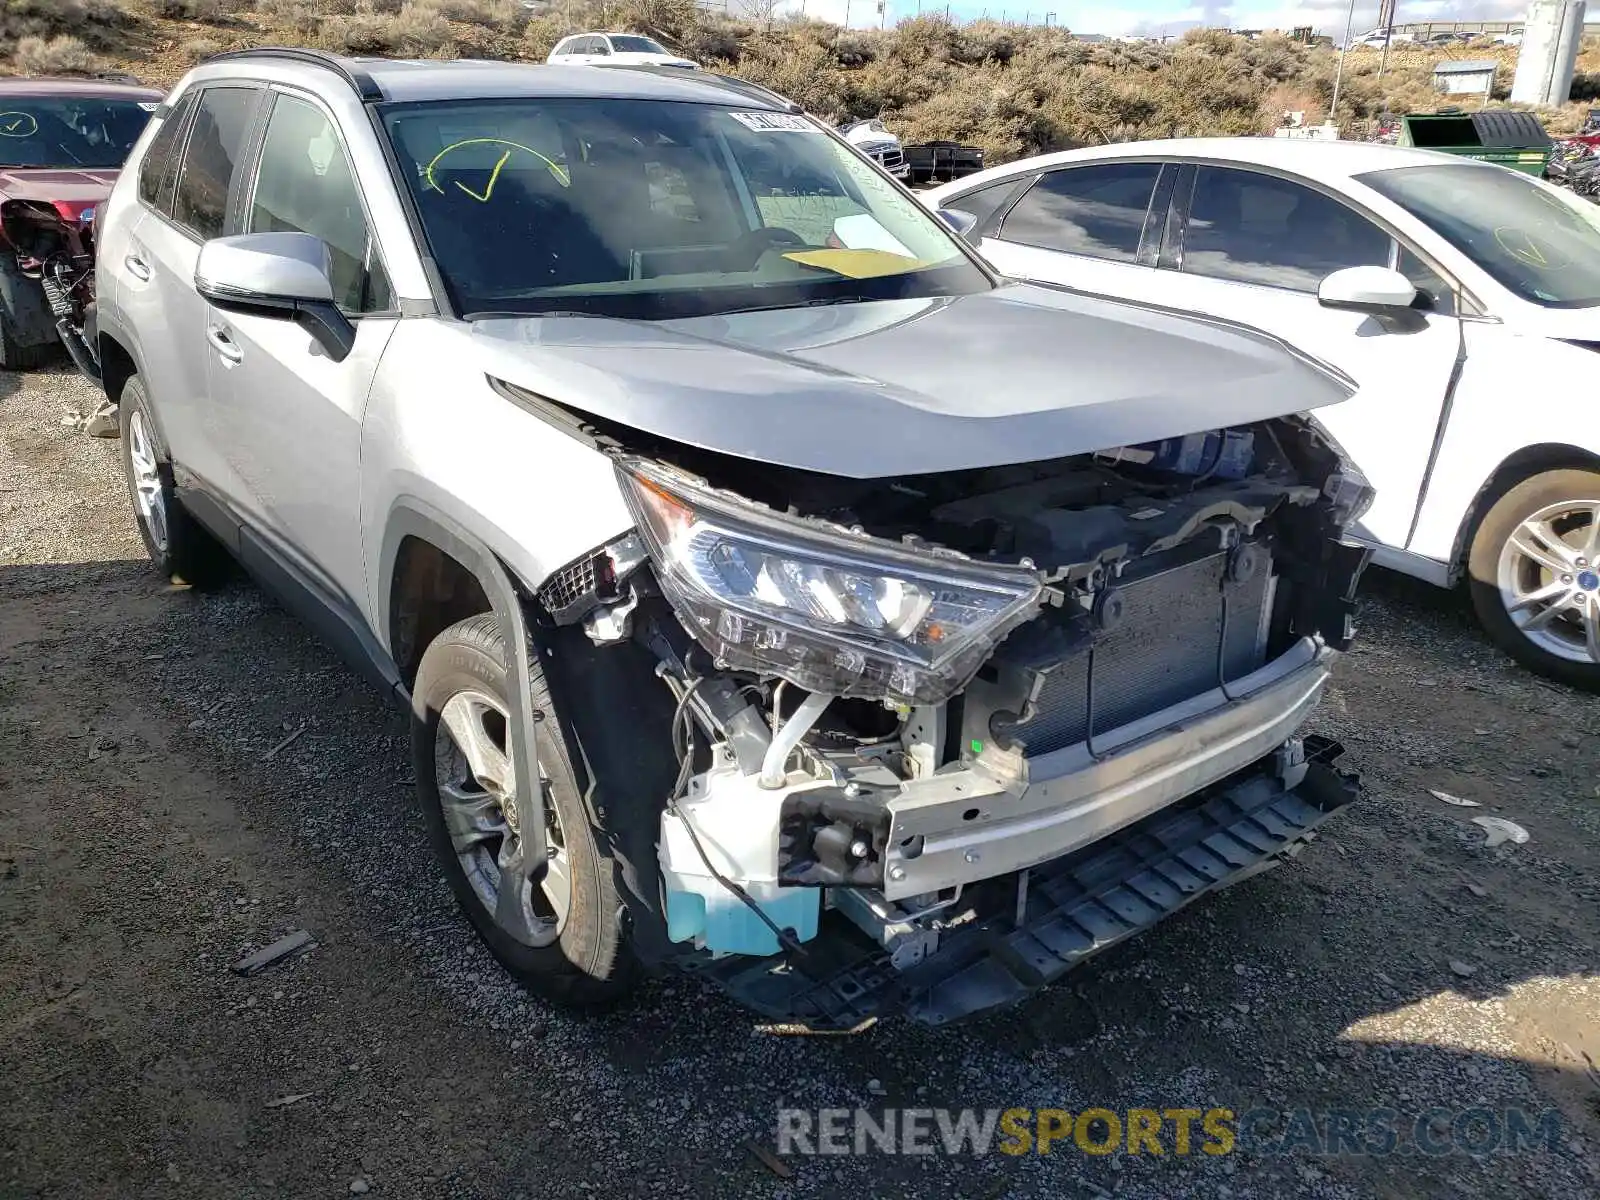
<point x="62" y="142"/>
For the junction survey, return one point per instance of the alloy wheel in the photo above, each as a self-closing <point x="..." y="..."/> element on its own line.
<point x="149" y="495"/>
<point x="477" y="796"/>
<point x="1549" y="579"/>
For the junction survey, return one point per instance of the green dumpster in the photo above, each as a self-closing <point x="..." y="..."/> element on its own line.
<point x="1512" y="139"/>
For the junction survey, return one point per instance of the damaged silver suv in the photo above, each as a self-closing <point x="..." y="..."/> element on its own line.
<point x="778" y="595"/>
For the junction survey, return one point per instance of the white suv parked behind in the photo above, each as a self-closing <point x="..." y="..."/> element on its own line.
<point x="616" y="50"/>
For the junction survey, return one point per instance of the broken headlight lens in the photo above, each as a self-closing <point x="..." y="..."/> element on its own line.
<point x="828" y="610"/>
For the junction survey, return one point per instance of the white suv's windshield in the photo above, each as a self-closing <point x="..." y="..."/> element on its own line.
<point x="650" y="209"/>
<point x="632" y="43"/>
<point x="1526" y="235"/>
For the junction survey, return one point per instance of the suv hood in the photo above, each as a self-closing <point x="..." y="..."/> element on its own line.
<point x="56" y="185"/>
<point x="903" y="387"/>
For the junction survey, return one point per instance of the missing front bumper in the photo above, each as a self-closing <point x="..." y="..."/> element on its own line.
<point x="1025" y="937"/>
<point x="960" y="827"/>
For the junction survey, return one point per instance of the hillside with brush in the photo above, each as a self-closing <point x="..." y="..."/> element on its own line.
<point x="1012" y="90"/>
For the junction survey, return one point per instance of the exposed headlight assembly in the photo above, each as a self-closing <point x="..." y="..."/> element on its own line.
<point x="831" y="612"/>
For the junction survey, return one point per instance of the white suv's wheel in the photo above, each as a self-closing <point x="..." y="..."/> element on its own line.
<point x="565" y="936"/>
<point x="1535" y="575"/>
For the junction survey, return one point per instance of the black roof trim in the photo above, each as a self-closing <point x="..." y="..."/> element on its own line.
<point x="731" y="83"/>
<point x="364" y="84"/>
<point x="754" y="90"/>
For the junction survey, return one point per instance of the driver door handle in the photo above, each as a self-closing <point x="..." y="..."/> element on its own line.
<point x="224" y="344"/>
<point x="137" y="267"/>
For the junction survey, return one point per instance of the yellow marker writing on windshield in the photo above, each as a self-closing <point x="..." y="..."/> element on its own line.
<point x="1521" y="246"/>
<point x="488" y="188"/>
<point x="556" y="169"/>
<point x="18" y="124"/>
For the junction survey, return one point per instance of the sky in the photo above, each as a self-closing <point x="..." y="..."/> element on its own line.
<point x="1173" y="16"/>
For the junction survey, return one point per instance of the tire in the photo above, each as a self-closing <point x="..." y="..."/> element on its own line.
<point x="1566" y="646"/>
<point x="180" y="549"/>
<point x="14" y="356"/>
<point x="586" y="961"/>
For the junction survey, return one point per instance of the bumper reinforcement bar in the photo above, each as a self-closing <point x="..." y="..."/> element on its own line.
<point x="1029" y="928"/>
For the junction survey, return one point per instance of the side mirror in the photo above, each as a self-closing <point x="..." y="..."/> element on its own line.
<point x="962" y="222"/>
<point x="1376" y="290"/>
<point x="282" y="275"/>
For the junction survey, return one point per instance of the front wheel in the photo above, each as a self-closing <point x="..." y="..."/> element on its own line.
<point x="1534" y="570"/>
<point x="565" y="936"/>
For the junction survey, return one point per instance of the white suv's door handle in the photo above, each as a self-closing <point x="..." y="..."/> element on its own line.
<point x="137" y="267"/>
<point x="223" y="344"/>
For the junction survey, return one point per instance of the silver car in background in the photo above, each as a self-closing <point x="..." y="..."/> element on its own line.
<point x="778" y="595"/>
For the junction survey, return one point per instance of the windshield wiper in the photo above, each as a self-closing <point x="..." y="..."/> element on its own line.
<point x="524" y="314"/>
<point x="827" y="302"/>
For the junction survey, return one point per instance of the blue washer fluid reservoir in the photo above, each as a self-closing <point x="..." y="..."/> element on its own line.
<point x="1221" y="454"/>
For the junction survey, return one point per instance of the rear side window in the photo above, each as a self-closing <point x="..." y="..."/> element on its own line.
<point x="157" y="170"/>
<point x="1256" y="228"/>
<point x="216" y="143"/>
<point x="1096" y="211"/>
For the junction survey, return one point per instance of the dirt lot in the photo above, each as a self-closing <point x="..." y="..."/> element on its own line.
<point x="149" y="834"/>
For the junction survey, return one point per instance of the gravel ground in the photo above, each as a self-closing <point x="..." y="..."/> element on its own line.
<point x="149" y="835"/>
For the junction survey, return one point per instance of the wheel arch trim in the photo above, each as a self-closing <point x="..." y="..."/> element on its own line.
<point x="1520" y="465"/>
<point x="412" y="517"/>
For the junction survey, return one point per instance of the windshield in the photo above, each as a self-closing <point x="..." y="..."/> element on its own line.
<point x="648" y="209"/>
<point x="69" y="131"/>
<point x="1526" y="235"/>
<point x="628" y="43"/>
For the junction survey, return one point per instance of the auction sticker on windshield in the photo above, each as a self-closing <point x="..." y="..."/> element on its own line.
<point x="765" y="122"/>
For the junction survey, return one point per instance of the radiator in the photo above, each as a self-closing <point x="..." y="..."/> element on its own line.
<point x="1163" y="651"/>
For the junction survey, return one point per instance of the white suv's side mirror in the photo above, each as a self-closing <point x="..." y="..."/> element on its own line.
<point x="1376" y="290"/>
<point x="283" y="275"/>
<point x="963" y="223"/>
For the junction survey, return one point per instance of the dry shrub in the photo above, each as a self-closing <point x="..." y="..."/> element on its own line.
<point x="482" y="12"/>
<point x="714" y="37"/>
<point x="209" y="11"/>
<point x="199" y="49"/>
<point x="667" y="20"/>
<point x="293" y="20"/>
<point x="90" y="19"/>
<point x="540" y="37"/>
<point x="60" y="55"/>
<point x="417" y="30"/>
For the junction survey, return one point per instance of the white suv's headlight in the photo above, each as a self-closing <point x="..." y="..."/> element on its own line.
<point x="829" y="610"/>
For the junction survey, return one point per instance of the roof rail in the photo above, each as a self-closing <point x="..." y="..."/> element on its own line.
<point x="754" y="90"/>
<point x="732" y="83"/>
<point x="364" y="84"/>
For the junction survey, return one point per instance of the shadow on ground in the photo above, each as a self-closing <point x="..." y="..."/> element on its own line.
<point x="186" y="776"/>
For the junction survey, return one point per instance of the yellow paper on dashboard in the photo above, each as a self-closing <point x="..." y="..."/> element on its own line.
<point x="856" y="264"/>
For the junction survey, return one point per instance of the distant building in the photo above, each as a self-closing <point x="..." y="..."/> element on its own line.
<point x="1466" y="77"/>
